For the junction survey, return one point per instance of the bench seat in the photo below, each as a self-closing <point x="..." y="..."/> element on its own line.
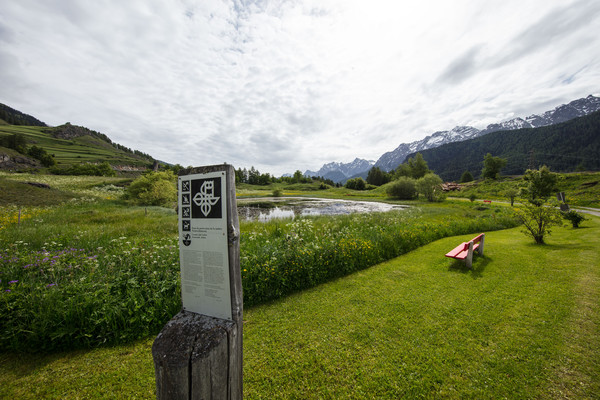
<point x="461" y="251"/>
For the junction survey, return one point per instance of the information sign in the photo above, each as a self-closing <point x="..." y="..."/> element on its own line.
<point x="203" y="249"/>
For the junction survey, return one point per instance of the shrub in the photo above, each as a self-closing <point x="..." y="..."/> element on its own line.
<point x="153" y="189"/>
<point x="574" y="217"/>
<point x="356" y="184"/>
<point x="430" y="186"/>
<point x="404" y="188"/>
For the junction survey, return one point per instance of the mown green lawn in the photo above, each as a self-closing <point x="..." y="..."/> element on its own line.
<point x="524" y="323"/>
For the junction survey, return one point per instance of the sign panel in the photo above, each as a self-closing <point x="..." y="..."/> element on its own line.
<point x="203" y="250"/>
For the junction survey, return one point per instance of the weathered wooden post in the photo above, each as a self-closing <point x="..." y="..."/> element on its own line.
<point x="198" y="354"/>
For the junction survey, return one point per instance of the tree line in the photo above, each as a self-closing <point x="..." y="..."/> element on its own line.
<point x="253" y="177"/>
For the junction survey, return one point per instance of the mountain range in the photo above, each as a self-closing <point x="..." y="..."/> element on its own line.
<point x="339" y="172"/>
<point x="564" y="147"/>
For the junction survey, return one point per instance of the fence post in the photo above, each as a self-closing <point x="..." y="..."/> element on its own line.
<point x="198" y="354"/>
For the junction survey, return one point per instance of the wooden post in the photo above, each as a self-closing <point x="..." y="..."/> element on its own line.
<point x="198" y="356"/>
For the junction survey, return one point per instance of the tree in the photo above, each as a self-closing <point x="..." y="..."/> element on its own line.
<point x="377" y="177"/>
<point x="430" y="186"/>
<point x="492" y="166"/>
<point x="414" y="167"/>
<point x="536" y="214"/>
<point x="541" y="184"/>
<point x="418" y="166"/>
<point x="466" y="177"/>
<point x="403" y="188"/>
<point x="511" y="193"/>
<point x="298" y="176"/>
<point x="537" y="217"/>
<point x="253" y="176"/>
<point x="40" y="153"/>
<point x="16" y="142"/>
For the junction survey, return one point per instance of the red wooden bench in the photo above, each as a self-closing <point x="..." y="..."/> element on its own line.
<point x="487" y="201"/>
<point x="464" y="251"/>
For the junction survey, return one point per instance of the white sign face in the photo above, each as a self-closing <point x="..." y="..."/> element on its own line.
<point x="203" y="250"/>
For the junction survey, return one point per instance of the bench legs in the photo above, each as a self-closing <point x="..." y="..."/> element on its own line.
<point x="469" y="259"/>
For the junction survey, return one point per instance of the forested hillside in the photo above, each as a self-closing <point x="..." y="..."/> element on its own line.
<point x="565" y="147"/>
<point x="15" y="117"/>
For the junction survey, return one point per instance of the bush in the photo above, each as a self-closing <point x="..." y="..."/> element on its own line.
<point x="154" y="189"/>
<point x="430" y="186"/>
<point x="404" y="188"/>
<point x="574" y="217"/>
<point x="356" y="184"/>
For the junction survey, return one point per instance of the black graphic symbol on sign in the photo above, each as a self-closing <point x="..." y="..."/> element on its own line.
<point x="207" y="198"/>
<point x="185" y="186"/>
<point x="187" y="239"/>
<point x="185" y="212"/>
<point x="185" y="199"/>
<point x="186" y="226"/>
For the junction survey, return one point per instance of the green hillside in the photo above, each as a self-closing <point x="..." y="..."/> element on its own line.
<point x="89" y="147"/>
<point x="566" y="147"/>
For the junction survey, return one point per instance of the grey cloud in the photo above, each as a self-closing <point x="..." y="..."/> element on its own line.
<point x="461" y="68"/>
<point x="560" y="24"/>
<point x="557" y="25"/>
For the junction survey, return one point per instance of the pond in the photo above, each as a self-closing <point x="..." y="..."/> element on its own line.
<point x="266" y="209"/>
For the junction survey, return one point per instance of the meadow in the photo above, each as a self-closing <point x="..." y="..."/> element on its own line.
<point x="326" y="315"/>
<point x="523" y="324"/>
<point x="95" y="271"/>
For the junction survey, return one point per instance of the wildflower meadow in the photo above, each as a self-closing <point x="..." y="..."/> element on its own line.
<point x="99" y="272"/>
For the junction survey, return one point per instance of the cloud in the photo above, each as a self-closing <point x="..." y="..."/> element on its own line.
<point x="286" y="85"/>
<point x="461" y="68"/>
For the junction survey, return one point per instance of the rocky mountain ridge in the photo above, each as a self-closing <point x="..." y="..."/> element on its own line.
<point x="340" y="172"/>
<point x="562" y="113"/>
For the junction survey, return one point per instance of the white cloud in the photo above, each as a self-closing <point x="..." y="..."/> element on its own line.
<point x="286" y="85"/>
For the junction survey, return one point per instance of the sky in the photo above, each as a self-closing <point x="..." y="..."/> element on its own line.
<point x="292" y="84"/>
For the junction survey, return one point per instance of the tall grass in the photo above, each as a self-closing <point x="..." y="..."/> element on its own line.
<point x="87" y="275"/>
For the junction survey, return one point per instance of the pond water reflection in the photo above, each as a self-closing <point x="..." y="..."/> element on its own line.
<point x="267" y="209"/>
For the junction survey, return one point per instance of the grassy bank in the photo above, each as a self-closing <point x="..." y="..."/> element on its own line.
<point x="524" y="323"/>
